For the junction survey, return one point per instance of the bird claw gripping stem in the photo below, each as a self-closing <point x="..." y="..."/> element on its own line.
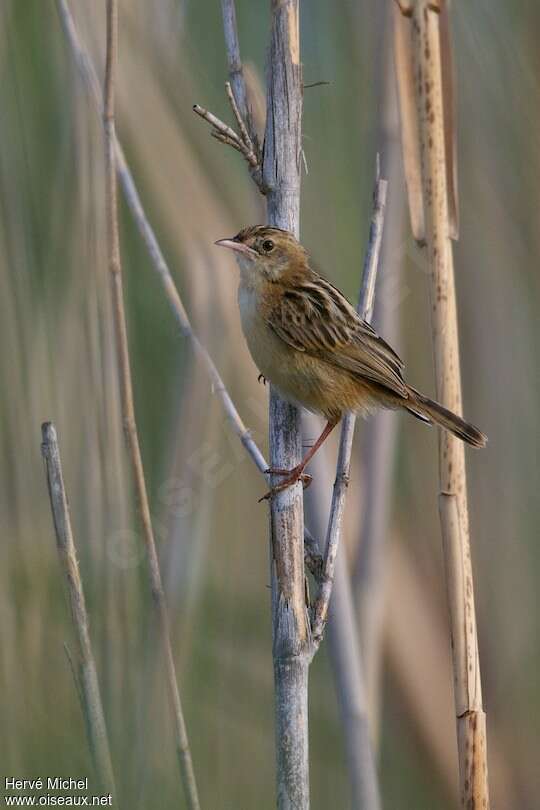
<point x="292" y="476"/>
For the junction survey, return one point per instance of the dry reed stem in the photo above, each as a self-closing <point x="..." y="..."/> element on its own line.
<point x="365" y="309"/>
<point x="291" y="628"/>
<point x="128" y="406"/>
<point x="86" y="679"/>
<point x="247" y="143"/>
<point x="242" y="143"/>
<point x="245" y="137"/>
<point x="440" y="224"/>
<point x="236" y="70"/>
<point x="346" y="653"/>
<point x="410" y="137"/>
<point x="378" y="450"/>
<point x="471" y="721"/>
<point x="345" y="650"/>
<point x="290" y="624"/>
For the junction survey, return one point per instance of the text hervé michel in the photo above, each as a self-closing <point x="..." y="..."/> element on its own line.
<point x="50" y="783"/>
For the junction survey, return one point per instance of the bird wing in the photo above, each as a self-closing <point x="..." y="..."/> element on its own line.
<point x="313" y="317"/>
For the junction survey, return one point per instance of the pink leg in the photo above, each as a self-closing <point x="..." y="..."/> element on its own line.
<point x="297" y="473"/>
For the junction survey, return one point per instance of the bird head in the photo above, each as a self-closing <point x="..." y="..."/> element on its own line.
<point x="261" y="249"/>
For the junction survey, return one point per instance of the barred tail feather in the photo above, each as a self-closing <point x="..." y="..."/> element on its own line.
<point x="432" y="412"/>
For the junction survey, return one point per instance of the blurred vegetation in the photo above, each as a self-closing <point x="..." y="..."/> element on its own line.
<point x="57" y="362"/>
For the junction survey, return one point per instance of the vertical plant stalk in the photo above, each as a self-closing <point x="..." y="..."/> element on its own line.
<point x="410" y="136"/>
<point x="365" y="309"/>
<point x="236" y="70"/>
<point x="343" y="637"/>
<point x="346" y="653"/>
<point x="430" y="46"/>
<point x="378" y="450"/>
<point x="128" y="407"/>
<point x="290" y="621"/>
<point x="293" y="644"/>
<point x="86" y="676"/>
<point x="471" y="719"/>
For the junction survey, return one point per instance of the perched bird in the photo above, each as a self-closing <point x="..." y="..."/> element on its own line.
<point x="309" y="341"/>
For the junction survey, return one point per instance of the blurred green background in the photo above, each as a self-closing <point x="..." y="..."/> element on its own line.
<point x="57" y="362"/>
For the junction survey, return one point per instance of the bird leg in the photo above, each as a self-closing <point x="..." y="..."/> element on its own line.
<point x="297" y="473"/>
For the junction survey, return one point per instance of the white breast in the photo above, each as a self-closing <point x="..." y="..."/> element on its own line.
<point x="259" y="337"/>
<point x="275" y="359"/>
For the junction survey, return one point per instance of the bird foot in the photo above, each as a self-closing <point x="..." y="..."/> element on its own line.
<point x="291" y="477"/>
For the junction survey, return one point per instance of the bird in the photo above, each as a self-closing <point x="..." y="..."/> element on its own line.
<point x="310" y="343"/>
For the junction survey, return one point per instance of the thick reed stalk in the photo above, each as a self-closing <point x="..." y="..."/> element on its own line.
<point x="86" y="677"/>
<point x="432" y="88"/>
<point x="293" y="641"/>
<point x="128" y="406"/>
<point x="290" y="621"/>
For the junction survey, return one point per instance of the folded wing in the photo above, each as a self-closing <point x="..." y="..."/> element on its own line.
<point x="314" y="317"/>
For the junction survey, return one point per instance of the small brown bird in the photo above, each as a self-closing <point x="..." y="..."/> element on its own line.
<point x="308" y="341"/>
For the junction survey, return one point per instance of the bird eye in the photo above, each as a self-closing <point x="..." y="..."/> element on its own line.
<point x="267" y="245"/>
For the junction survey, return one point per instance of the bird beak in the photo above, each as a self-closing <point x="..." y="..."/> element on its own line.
<point x="239" y="247"/>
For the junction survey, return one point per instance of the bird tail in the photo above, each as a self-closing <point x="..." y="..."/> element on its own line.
<point x="433" y="413"/>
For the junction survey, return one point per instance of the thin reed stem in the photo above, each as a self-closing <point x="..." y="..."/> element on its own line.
<point x="345" y="650"/>
<point x="365" y="309"/>
<point x="378" y="448"/>
<point x="128" y="407"/>
<point x="236" y="70"/>
<point x="85" y="673"/>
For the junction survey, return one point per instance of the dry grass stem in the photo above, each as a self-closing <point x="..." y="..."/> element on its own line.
<point x="346" y="654"/>
<point x="471" y="719"/>
<point x="410" y="138"/>
<point x="345" y="651"/>
<point x="247" y="142"/>
<point x="84" y="674"/>
<point x="242" y="143"/>
<point x="365" y="309"/>
<point x="222" y="131"/>
<point x="128" y="407"/>
<point x="435" y="119"/>
<point x="251" y="157"/>
<point x="239" y="90"/>
<point x="378" y="447"/>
